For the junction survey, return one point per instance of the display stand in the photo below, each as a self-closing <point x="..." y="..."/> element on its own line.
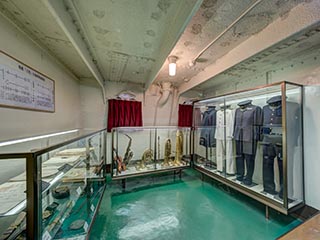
<point x="64" y="184"/>
<point x="145" y="151"/>
<point x="258" y="138"/>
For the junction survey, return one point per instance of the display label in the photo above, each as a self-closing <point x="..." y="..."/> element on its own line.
<point x="92" y="208"/>
<point x="85" y="226"/>
<point x="46" y="236"/>
<point x="23" y="87"/>
<point x="79" y="191"/>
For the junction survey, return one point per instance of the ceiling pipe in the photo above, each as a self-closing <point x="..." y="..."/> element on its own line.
<point x="59" y="12"/>
<point x="165" y="93"/>
<point x="165" y="90"/>
<point x="193" y="61"/>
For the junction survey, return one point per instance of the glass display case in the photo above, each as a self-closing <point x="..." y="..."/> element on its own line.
<point x="52" y="190"/>
<point x="252" y="141"/>
<point x="141" y="150"/>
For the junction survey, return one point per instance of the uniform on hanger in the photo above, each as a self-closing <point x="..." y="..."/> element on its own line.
<point x="248" y="120"/>
<point x="224" y="139"/>
<point x="272" y="143"/>
<point x="209" y="123"/>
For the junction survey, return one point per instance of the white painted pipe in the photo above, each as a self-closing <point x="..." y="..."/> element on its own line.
<point x="227" y="29"/>
<point x="165" y="93"/>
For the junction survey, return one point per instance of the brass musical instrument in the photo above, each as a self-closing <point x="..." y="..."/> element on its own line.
<point x="167" y="152"/>
<point x="179" y="148"/>
<point x="147" y="156"/>
<point x="129" y="153"/>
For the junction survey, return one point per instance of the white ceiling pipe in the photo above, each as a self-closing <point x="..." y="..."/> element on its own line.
<point x="193" y="61"/>
<point x="165" y="93"/>
<point x="59" y="12"/>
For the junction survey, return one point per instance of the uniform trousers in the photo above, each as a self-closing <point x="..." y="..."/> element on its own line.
<point x="224" y="150"/>
<point x="243" y="157"/>
<point x="272" y="148"/>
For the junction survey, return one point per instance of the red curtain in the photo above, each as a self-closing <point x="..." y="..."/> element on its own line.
<point x="185" y="115"/>
<point x="123" y="113"/>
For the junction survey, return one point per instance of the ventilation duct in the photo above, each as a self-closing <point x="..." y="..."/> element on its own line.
<point x="165" y="93"/>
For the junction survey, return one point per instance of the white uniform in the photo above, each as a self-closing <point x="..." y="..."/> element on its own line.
<point x="224" y="147"/>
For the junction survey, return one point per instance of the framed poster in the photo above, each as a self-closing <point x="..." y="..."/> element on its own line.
<point x="23" y="87"/>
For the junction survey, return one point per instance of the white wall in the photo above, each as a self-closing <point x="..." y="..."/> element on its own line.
<point x="92" y="107"/>
<point x="149" y="100"/>
<point x="311" y="145"/>
<point x="20" y="123"/>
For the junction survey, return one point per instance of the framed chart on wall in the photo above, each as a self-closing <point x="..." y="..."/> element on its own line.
<point x="23" y="87"/>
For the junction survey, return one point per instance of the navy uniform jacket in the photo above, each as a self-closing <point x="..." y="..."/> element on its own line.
<point x="209" y="122"/>
<point x="248" y="123"/>
<point x="272" y="120"/>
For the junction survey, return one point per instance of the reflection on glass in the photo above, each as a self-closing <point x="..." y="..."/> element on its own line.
<point x="224" y="143"/>
<point x="71" y="187"/>
<point x="244" y="143"/>
<point x="272" y="145"/>
<point x="138" y="151"/>
<point x="294" y="144"/>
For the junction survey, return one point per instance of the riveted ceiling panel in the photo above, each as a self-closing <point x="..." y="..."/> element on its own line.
<point x="130" y="40"/>
<point x="281" y="55"/>
<point x="127" y="36"/>
<point x="34" y="18"/>
<point x="214" y="17"/>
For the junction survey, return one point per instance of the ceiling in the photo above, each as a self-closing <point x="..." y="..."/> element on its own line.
<point x="129" y="41"/>
<point x="212" y="18"/>
<point x="289" y="52"/>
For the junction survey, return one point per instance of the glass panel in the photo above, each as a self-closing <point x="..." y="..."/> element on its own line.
<point x="224" y="140"/>
<point x="206" y="134"/>
<point x="258" y="140"/>
<point x="12" y="197"/>
<point x="138" y="151"/>
<point x="294" y="144"/>
<point x="248" y="140"/>
<point x="173" y="147"/>
<point x="71" y="178"/>
<point x="133" y="151"/>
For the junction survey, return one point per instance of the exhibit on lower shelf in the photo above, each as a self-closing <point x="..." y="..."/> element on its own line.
<point x="144" y="150"/>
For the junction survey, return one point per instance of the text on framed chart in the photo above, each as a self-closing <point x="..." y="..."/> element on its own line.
<point x="23" y="87"/>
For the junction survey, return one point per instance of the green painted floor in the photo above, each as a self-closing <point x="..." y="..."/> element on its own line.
<point x="163" y="208"/>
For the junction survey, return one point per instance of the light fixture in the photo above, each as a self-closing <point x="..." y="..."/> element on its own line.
<point x="172" y="65"/>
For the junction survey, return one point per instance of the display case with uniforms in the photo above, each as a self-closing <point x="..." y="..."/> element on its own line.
<point x="139" y="151"/>
<point x="53" y="185"/>
<point x="252" y="141"/>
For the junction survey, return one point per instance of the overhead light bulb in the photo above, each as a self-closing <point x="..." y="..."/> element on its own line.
<point x="172" y="65"/>
<point x="172" y="69"/>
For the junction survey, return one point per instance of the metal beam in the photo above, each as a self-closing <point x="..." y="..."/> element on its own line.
<point x="63" y="18"/>
<point x="172" y="39"/>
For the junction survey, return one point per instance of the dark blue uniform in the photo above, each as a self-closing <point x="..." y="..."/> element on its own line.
<point x="248" y="121"/>
<point x="272" y="143"/>
<point x="209" y="123"/>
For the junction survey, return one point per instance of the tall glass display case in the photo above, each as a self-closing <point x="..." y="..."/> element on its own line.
<point x="52" y="191"/>
<point x="252" y="141"/>
<point x="139" y="151"/>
